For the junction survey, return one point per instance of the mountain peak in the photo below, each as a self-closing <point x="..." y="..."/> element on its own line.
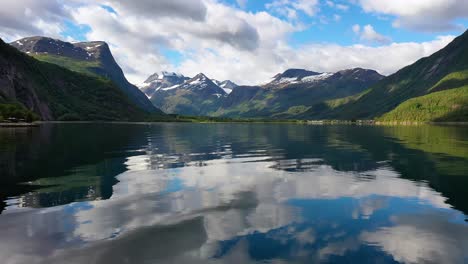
<point x="161" y="80"/>
<point x="200" y="77"/>
<point x="164" y="75"/>
<point x="79" y="50"/>
<point x="297" y="73"/>
<point x="226" y="85"/>
<point x="359" y="74"/>
<point x="292" y="76"/>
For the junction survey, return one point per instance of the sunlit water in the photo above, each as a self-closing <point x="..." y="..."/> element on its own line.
<point x="233" y="193"/>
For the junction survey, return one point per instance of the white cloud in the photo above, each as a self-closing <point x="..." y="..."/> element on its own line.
<point x="29" y="17"/>
<point x="356" y="28"/>
<point x="368" y="34"/>
<point x="289" y="7"/>
<point x="339" y="6"/>
<point x="411" y="241"/>
<point x="224" y="28"/>
<point x="424" y="15"/>
<point x="222" y="41"/>
<point x="248" y="68"/>
<point x="342" y="7"/>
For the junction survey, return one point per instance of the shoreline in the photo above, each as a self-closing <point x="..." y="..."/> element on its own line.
<point x="303" y="122"/>
<point x="34" y="124"/>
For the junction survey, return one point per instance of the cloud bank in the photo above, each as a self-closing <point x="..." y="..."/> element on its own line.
<point x="226" y="41"/>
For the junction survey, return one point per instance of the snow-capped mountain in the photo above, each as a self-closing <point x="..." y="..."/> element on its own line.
<point x="295" y="91"/>
<point x="296" y="76"/>
<point x="298" y="88"/>
<point x="305" y="78"/>
<point x="226" y="85"/>
<point x="195" y="96"/>
<point x="161" y="80"/>
<point x="202" y="84"/>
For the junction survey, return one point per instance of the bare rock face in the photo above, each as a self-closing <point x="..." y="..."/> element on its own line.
<point x="16" y="86"/>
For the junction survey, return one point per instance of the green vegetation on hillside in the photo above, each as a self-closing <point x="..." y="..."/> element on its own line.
<point x="445" y="69"/>
<point x="69" y="63"/>
<point x="294" y="100"/>
<point x="17" y="112"/>
<point x="448" y="105"/>
<point x="58" y="93"/>
<point x="452" y="80"/>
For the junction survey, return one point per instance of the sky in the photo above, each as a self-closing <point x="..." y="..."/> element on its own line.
<point x="246" y="41"/>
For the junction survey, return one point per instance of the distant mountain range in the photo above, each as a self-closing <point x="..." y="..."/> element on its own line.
<point x="432" y="89"/>
<point x="293" y="90"/>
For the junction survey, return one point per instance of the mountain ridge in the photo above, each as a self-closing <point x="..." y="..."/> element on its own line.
<point x="412" y="81"/>
<point x="198" y="95"/>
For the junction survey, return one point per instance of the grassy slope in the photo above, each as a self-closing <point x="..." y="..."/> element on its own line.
<point x="447" y="102"/>
<point x="71" y="95"/>
<point x="185" y="102"/>
<point x="448" y="105"/>
<point x="421" y="78"/>
<point x="68" y="63"/>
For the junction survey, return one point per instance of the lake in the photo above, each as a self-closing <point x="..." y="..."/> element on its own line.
<point x="233" y="193"/>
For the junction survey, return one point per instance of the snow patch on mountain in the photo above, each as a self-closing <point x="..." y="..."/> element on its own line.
<point x="315" y="78"/>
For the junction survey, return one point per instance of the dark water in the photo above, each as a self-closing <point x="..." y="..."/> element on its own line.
<point x="233" y="193"/>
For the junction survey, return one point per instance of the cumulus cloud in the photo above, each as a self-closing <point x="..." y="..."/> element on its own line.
<point x="193" y="9"/>
<point x="428" y="15"/>
<point x="29" y="17"/>
<point x="137" y="40"/>
<point x="208" y="36"/>
<point x="338" y="6"/>
<point x="247" y="68"/>
<point x="411" y="240"/>
<point x="368" y="34"/>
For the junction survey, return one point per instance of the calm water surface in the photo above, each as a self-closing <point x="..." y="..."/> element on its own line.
<point x="233" y="193"/>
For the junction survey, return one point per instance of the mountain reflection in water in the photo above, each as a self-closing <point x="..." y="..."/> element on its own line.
<point x="233" y="193"/>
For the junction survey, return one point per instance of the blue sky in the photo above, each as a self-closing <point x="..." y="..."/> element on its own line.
<point x="246" y="41"/>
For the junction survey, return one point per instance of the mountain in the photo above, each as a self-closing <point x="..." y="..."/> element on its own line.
<point x="93" y="58"/>
<point x="226" y="85"/>
<point x="443" y="70"/>
<point x="294" y="92"/>
<point x="196" y="96"/>
<point x="56" y="93"/>
<point x="161" y="80"/>
<point x="292" y="76"/>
